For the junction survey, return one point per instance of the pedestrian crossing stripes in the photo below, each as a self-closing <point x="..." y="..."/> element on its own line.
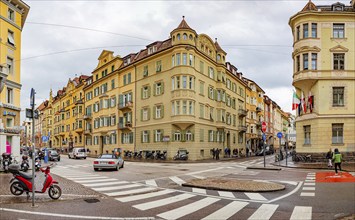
<point x="309" y="185"/>
<point x="177" y="204"/>
<point x="177" y="180"/>
<point x="301" y="212"/>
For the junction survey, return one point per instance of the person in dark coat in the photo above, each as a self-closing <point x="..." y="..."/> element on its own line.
<point x="213" y="153"/>
<point x="217" y="153"/>
<point x="330" y="157"/>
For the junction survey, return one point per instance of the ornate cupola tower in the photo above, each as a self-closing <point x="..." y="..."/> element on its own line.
<point x="221" y="54"/>
<point x="183" y="34"/>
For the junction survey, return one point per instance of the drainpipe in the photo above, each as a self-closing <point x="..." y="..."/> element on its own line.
<point x="135" y="108"/>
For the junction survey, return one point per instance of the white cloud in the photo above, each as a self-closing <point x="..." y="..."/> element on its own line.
<point x="232" y="22"/>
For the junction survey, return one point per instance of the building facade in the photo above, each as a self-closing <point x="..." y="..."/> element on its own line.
<point x="12" y="19"/>
<point x="324" y="77"/>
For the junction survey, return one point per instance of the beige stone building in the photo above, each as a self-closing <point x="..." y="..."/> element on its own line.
<point x="324" y="75"/>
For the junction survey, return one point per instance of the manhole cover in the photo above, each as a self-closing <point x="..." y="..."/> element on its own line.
<point x="91" y="200"/>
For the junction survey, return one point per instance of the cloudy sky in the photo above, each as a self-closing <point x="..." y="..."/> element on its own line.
<point x="63" y="38"/>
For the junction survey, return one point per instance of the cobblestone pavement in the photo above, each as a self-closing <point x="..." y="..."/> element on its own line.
<point x="228" y="184"/>
<point x="70" y="191"/>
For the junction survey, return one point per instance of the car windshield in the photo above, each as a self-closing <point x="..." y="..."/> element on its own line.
<point x="107" y="156"/>
<point x="52" y="152"/>
<point x="81" y="150"/>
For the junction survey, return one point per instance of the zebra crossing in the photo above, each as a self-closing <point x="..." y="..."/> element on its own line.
<point x="309" y="185"/>
<point x="177" y="203"/>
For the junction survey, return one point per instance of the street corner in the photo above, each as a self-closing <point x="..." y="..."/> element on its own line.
<point x="332" y="177"/>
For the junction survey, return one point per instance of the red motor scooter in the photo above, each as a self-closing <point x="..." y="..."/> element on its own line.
<point x="22" y="182"/>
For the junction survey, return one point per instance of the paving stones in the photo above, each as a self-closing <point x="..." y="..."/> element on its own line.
<point x="227" y="184"/>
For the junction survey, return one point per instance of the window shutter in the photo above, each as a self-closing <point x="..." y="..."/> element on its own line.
<point x="154" y="112"/>
<point x="192" y="136"/>
<point x="131" y="97"/>
<point x="155" y="89"/>
<point x="142" y="93"/>
<point x="148" y="113"/>
<point x="215" y="94"/>
<point x="141" y="136"/>
<point x="154" y="132"/>
<point x="148" y="136"/>
<point x="183" y="136"/>
<point x="120" y="99"/>
<point x="161" y="134"/>
<point x="141" y="114"/>
<point x="209" y="93"/>
<point x="209" y="134"/>
<point x="173" y="135"/>
<point x="162" y="88"/>
<point x="148" y="91"/>
<point x="121" y="138"/>
<point x="162" y="111"/>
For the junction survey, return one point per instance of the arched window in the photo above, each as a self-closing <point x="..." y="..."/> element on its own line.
<point x="191" y="37"/>
<point x="218" y="57"/>
<point x="178" y="37"/>
<point x="173" y="38"/>
<point x="184" y="36"/>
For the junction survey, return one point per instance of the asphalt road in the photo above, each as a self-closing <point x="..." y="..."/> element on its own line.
<point x="153" y="191"/>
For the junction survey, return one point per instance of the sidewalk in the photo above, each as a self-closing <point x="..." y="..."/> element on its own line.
<point x="346" y="166"/>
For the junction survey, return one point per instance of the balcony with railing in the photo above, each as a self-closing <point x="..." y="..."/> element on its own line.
<point x="88" y="131"/>
<point x="242" y="128"/>
<point x="258" y="109"/>
<point x="125" y="106"/>
<point x="242" y="112"/>
<point x="125" y="125"/>
<point x="88" y="116"/>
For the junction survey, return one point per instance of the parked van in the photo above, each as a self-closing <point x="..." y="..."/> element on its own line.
<point x="77" y="152"/>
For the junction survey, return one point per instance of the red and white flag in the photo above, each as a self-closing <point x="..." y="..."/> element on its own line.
<point x="295" y="101"/>
<point x="310" y="101"/>
<point x="303" y="103"/>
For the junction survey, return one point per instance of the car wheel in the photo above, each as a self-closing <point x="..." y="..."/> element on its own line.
<point x="84" y="158"/>
<point x="122" y="165"/>
<point x="58" y="159"/>
<point x="69" y="156"/>
<point x="96" y="169"/>
<point x="74" y="157"/>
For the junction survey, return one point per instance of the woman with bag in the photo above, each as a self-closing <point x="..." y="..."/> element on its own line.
<point x="337" y="160"/>
<point x="330" y="157"/>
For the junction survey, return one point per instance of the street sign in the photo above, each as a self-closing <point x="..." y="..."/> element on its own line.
<point x="263" y="126"/>
<point x="264" y="137"/>
<point x="32" y="98"/>
<point x="279" y="135"/>
<point x="44" y="138"/>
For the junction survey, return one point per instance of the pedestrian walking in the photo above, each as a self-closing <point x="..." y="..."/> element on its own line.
<point x="217" y="153"/>
<point x="337" y="160"/>
<point x="247" y="150"/>
<point x="330" y="157"/>
<point x="213" y="153"/>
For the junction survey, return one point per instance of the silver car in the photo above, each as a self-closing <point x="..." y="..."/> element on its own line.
<point x="108" y="161"/>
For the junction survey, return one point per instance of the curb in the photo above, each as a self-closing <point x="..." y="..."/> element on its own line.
<point x="265" y="168"/>
<point x="230" y="190"/>
<point x="310" y="168"/>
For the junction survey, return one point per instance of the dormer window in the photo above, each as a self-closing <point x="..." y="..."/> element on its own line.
<point x="127" y="61"/>
<point x="152" y="49"/>
<point x="184" y="36"/>
<point x="178" y="37"/>
<point x="218" y="57"/>
<point x="337" y="7"/>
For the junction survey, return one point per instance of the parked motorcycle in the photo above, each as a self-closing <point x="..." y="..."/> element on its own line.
<point x="6" y="161"/>
<point x="138" y="155"/>
<point x="150" y="155"/>
<point x="25" y="164"/>
<point x="38" y="163"/>
<point x="181" y="155"/>
<point x="22" y="182"/>
<point x="160" y="155"/>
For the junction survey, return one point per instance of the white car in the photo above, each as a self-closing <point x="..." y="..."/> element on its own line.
<point x="108" y="161"/>
<point x="77" y="152"/>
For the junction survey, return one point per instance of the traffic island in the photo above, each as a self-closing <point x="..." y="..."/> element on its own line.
<point x="227" y="184"/>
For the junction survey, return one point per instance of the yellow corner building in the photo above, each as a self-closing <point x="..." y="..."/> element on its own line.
<point x="324" y="76"/>
<point x="12" y="19"/>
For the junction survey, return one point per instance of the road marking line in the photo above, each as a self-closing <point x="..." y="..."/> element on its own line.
<point x="226" y="194"/>
<point x="204" y="171"/>
<point x="89" y="178"/>
<point x="309" y="188"/>
<point x="255" y="196"/>
<point x="109" y="188"/>
<point x="198" y="177"/>
<point x="309" y="184"/>
<point x="188" y="209"/>
<point x="162" y="202"/>
<point x="74" y="216"/>
<point x="128" y="192"/>
<point x="265" y="211"/>
<point x="307" y="194"/>
<point x="227" y="211"/>
<point x="289" y="182"/>
<point x="310" y="178"/>
<point x="198" y="190"/>
<point x="288" y="194"/>
<point x="301" y="212"/>
<point x="310" y="181"/>
<point x="151" y="182"/>
<point x="144" y="196"/>
<point x="105" y="184"/>
<point x="93" y="181"/>
<point x="177" y="180"/>
<point x="312" y="173"/>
